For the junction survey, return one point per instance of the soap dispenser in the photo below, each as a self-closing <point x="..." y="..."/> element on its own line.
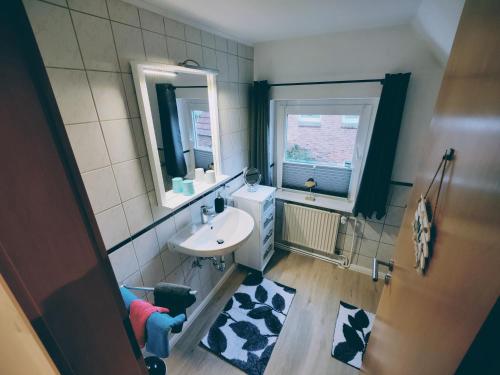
<point x="219" y="203"/>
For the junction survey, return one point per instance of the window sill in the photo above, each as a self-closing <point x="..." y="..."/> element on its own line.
<point x="332" y="203"/>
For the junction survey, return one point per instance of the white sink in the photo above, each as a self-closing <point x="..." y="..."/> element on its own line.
<point x="221" y="236"/>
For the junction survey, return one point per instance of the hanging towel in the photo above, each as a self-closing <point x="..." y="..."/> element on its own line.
<point x="158" y="326"/>
<point x="140" y="311"/>
<point x="176" y="298"/>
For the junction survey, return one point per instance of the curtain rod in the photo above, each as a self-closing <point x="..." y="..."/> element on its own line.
<point x="381" y="80"/>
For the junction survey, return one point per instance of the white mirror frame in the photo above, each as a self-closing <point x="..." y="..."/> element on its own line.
<point x="165" y="198"/>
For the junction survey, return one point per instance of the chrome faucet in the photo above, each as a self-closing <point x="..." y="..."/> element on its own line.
<point x="206" y="214"/>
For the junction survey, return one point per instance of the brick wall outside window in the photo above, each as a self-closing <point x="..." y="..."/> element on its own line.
<point x="328" y="143"/>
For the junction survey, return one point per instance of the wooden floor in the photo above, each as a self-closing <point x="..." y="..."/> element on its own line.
<point x="304" y="345"/>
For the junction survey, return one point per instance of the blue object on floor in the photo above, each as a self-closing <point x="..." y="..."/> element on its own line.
<point x="158" y="327"/>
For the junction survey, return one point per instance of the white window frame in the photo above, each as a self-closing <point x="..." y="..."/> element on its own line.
<point x="365" y="107"/>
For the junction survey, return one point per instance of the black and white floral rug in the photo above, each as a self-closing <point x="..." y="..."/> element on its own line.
<point x="245" y="333"/>
<point x="352" y="331"/>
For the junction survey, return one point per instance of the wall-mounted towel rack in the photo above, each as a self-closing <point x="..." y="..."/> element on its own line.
<point x="151" y="289"/>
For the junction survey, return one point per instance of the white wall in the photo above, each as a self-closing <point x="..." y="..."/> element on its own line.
<point x="437" y="22"/>
<point x="360" y="55"/>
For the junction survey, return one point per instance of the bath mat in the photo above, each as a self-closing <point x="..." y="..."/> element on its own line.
<point x="245" y="333"/>
<point x="352" y="331"/>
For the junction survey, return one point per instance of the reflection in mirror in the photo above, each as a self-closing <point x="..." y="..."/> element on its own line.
<point x="181" y="119"/>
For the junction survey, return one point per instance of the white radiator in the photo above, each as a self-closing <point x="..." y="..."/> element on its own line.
<point x="309" y="227"/>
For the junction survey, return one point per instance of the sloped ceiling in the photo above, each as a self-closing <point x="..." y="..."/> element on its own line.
<point x="436" y="21"/>
<point x="256" y="21"/>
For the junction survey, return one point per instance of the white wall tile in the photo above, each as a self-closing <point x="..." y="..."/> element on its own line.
<point x="113" y="226"/>
<point x="139" y="136"/>
<point x="195" y="52"/>
<point x="124" y="262"/>
<point x="368" y="247"/>
<point x="158" y="211"/>
<point x="165" y="231"/>
<point x="129" y="45"/>
<point x="182" y="219"/>
<point x="151" y="21"/>
<point x="101" y="189"/>
<point x="207" y="39"/>
<point x="138" y="213"/>
<point x="242" y="50"/>
<point x="96" y="42"/>
<point x="54" y="34"/>
<point x="95" y="7"/>
<point x="232" y="62"/>
<point x="57" y="2"/>
<point x="171" y="261"/>
<point x="220" y="43"/>
<point x="372" y="231"/>
<point x="209" y="58"/>
<point x="389" y="234"/>
<point x="193" y="34"/>
<point x="174" y="29"/>
<point x="364" y="261"/>
<point x="129" y="179"/>
<point x="348" y="243"/>
<point x="88" y="146"/>
<point x="134" y="280"/>
<point x="400" y="195"/>
<point x="229" y="121"/>
<point x="176" y="49"/>
<point x="146" y="247"/>
<point x="155" y="45"/>
<point x="394" y="215"/>
<point x="73" y="95"/>
<point x="152" y="272"/>
<point x="232" y="47"/>
<point x="146" y="172"/>
<point x="175" y="277"/>
<point x="119" y="137"/>
<point x="385" y="252"/>
<point x="123" y="12"/>
<point x="109" y="95"/>
<point x="222" y="66"/>
<point x="128" y="83"/>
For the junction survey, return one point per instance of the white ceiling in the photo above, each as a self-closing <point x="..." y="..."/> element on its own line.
<point x="254" y="21"/>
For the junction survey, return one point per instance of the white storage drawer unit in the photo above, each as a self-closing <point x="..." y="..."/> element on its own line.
<point x="256" y="252"/>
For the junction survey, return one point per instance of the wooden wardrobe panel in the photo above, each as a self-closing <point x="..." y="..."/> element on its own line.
<point x="425" y="324"/>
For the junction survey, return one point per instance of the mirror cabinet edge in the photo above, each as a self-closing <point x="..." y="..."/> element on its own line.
<point x="139" y="79"/>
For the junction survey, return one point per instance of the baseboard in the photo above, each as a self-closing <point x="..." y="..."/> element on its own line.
<point x="353" y="267"/>
<point x="192" y="317"/>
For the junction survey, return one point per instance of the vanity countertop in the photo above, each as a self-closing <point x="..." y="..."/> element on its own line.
<point x="260" y="195"/>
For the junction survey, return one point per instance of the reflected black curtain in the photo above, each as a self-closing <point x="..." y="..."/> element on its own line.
<point x="260" y="130"/>
<point x="170" y="131"/>
<point x="374" y="187"/>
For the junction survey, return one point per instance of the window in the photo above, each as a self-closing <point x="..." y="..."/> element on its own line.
<point x="202" y="133"/>
<point x="330" y="148"/>
<point x="309" y="120"/>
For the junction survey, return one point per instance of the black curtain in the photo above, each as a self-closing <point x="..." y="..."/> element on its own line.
<point x="260" y="130"/>
<point x="170" y="131"/>
<point x="374" y="187"/>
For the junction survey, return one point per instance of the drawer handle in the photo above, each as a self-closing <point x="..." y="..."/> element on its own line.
<point x="268" y="220"/>
<point x="268" y="236"/>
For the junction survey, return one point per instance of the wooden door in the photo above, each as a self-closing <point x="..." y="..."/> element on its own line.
<point x="426" y="324"/>
<point x="51" y="254"/>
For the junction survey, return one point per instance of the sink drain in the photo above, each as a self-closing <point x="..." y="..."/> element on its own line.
<point x="220" y="242"/>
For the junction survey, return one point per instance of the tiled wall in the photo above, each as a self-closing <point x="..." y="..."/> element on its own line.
<point x="372" y="237"/>
<point x="86" y="47"/>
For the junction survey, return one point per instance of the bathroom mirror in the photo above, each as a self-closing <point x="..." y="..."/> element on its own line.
<point x="252" y="178"/>
<point x="179" y="116"/>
